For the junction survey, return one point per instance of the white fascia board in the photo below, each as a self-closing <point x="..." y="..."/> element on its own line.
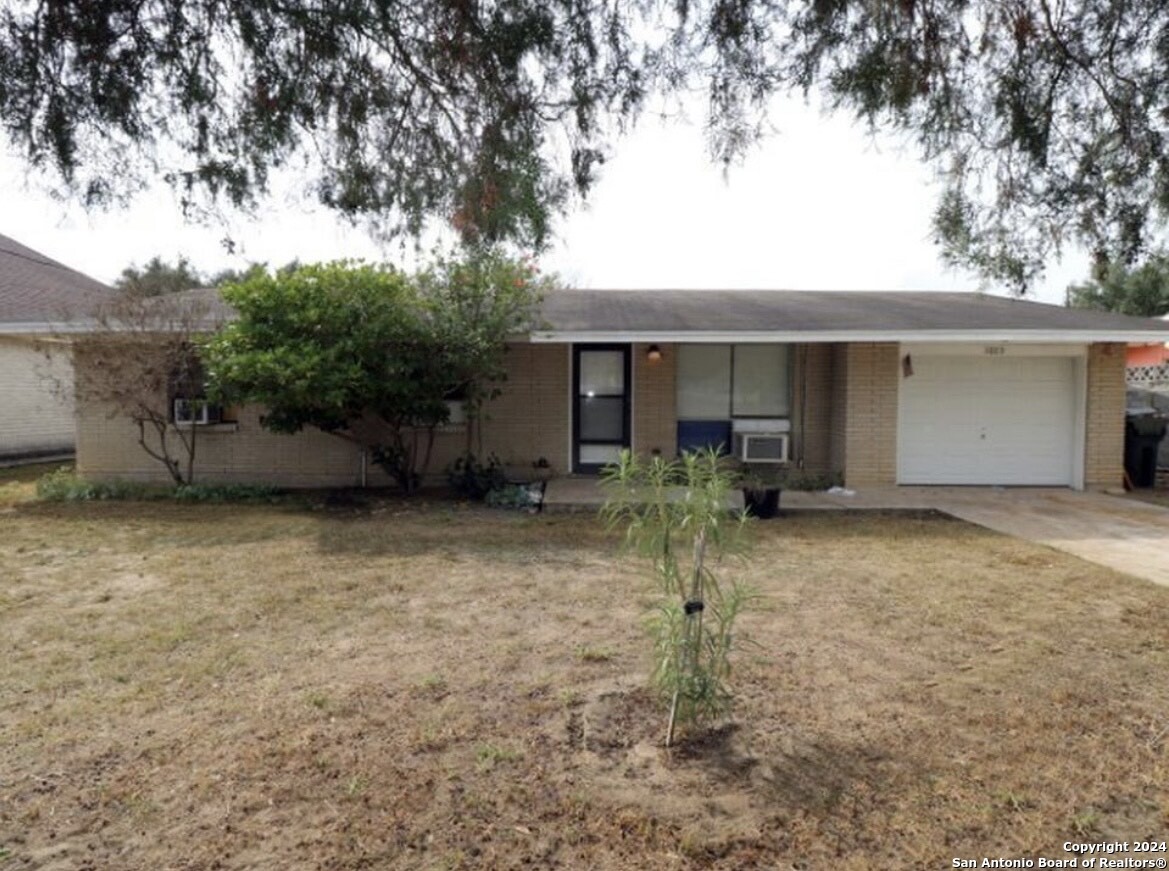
<point x="49" y="328"/>
<point x="820" y="336"/>
<point x="1015" y="349"/>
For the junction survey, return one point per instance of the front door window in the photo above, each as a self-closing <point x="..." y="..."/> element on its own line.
<point x="601" y="413"/>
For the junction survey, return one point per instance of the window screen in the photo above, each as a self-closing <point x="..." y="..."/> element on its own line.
<point x="761" y="381"/>
<point x="704" y="382"/>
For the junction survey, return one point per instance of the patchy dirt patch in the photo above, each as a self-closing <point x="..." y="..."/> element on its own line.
<point x="431" y="685"/>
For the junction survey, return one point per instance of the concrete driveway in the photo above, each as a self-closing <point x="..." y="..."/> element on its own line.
<point x="1112" y="531"/>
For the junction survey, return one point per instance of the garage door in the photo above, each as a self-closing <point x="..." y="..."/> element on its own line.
<point x="987" y="420"/>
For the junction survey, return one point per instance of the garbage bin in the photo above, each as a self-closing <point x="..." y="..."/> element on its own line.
<point x="1142" y="437"/>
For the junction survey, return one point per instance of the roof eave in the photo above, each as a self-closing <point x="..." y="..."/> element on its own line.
<point x="48" y="328"/>
<point x="1038" y="336"/>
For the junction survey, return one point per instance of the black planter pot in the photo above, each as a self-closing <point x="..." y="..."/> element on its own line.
<point x="762" y="503"/>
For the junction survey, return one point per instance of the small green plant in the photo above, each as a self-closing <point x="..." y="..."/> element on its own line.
<point x="677" y="514"/>
<point x="1013" y="801"/>
<point x="757" y="476"/>
<point x="488" y="756"/>
<point x="471" y="479"/>
<point x="594" y="654"/>
<point x="1085" y="825"/>
<point x="318" y="700"/>
<point x="433" y="684"/>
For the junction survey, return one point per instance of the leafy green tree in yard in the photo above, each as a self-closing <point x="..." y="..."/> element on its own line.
<point x="1045" y="121"/>
<point x="369" y="353"/>
<point x="1142" y="291"/>
<point x="473" y="304"/>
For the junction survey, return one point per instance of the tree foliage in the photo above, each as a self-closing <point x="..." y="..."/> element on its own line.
<point x="159" y="277"/>
<point x="370" y="353"/>
<point x="1141" y="291"/>
<point x="1045" y="120"/>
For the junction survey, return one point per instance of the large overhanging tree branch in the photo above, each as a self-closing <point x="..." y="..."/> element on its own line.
<point x="403" y="110"/>
<point x="1044" y="119"/>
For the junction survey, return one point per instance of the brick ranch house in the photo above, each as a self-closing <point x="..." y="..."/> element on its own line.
<point x="878" y="388"/>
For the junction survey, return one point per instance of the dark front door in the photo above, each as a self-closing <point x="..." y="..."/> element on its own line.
<point x="600" y="408"/>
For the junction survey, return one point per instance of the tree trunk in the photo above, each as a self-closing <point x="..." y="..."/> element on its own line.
<point x="692" y="633"/>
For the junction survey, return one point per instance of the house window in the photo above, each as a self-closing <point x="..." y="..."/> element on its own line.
<point x="704" y="382"/>
<point x="456" y="406"/>
<point x="195" y="411"/>
<point x="759" y="381"/>
<point x="721" y="382"/>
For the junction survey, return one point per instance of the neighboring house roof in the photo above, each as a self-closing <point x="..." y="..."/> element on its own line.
<point x="38" y="294"/>
<point x="827" y="316"/>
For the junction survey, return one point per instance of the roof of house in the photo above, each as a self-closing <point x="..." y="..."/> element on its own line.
<point x="37" y="291"/>
<point x="843" y="316"/>
<point x="792" y="316"/>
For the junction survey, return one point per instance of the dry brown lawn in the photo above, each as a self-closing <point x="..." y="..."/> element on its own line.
<point x="436" y="686"/>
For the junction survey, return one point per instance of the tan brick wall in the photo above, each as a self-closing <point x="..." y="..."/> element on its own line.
<point x="527" y="421"/>
<point x="530" y="418"/>
<point x="655" y="415"/>
<point x="107" y="448"/>
<point x="812" y="407"/>
<point x="870" y="432"/>
<point x="1104" y="431"/>
<point x="35" y="390"/>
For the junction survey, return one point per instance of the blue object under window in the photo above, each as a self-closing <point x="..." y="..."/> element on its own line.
<point x="694" y="435"/>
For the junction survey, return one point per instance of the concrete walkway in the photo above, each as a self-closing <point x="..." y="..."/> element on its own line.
<point x="1113" y="531"/>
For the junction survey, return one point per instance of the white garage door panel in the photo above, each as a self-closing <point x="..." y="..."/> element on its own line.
<point x="987" y="420"/>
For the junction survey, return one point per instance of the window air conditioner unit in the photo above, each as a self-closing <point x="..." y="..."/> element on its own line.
<point x="188" y="412"/>
<point x="761" y="447"/>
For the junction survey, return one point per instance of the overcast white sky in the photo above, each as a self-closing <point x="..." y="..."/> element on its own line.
<point x="817" y="207"/>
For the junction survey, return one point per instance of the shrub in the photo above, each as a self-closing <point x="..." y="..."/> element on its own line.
<point x="227" y="493"/>
<point x="513" y="496"/>
<point x="472" y="479"/>
<point x="63" y="485"/>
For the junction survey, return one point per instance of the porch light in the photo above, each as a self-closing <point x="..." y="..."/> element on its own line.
<point x="653" y="354"/>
